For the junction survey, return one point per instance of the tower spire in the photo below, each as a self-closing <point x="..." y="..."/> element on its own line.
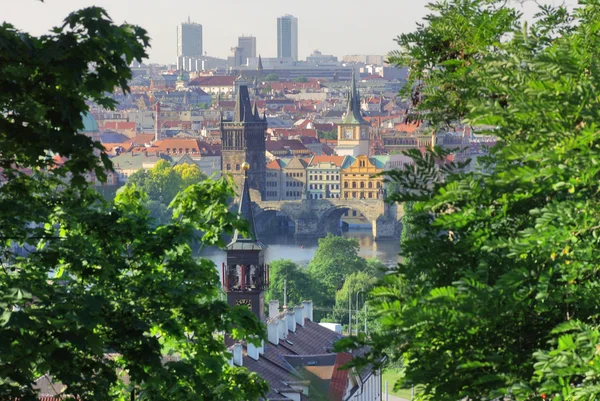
<point x="353" y="114"/>
<point x="260" y="65"/>
<point x="245" y="211"/>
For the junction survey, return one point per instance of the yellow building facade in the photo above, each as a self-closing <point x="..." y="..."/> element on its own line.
<point x="359" y="178"/>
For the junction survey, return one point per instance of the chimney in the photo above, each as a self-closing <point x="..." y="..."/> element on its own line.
<point x="156" y="122"/>
<point x="237" y="355"/>
<point x="273" y="308"/>
<point x="299" y="310"/>
<point x="273" y="330"/>
<point x="290" y="319"/>
<point x="252" y="351"/>
<point x="308" y="310"/>
<point x="282" y="328"/>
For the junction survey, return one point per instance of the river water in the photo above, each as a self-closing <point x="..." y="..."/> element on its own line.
<point x="282" y="245"/>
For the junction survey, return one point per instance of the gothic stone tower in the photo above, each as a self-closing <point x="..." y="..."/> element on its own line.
<point x="245" y="274"/>
<point x="243" y="140"/>
<point x="353" y="131"/>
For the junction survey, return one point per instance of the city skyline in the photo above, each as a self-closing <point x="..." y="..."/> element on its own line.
<point x="331" y="27"/>
<point x="322" y="26"/>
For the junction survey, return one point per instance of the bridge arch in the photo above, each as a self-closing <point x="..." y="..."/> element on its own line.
<point x="333" y="218"/>
<point x="273" y="220"/>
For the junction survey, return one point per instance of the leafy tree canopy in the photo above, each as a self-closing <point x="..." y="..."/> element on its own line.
<point x="353" y="284"/>
<point x="286" y="273"/>
<point x="162" y="182"/>
<point x="498" y="295"/>
<point x="90" y="291"/>
<point x="327" y="135"/>
<point x="271" y="77"/>
<point x="335" y="258"/>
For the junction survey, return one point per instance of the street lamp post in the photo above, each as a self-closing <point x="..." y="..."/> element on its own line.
<point x="357" y="293"/>
<point x="349" y="312"/>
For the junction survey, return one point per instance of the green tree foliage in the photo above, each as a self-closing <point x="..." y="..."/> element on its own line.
<point x="162" y="182"/>
<point x="335" y="258"/>
<point x="90" y="291"/>
<point x="327" y="135"/>
<point x="271" y="77"/>
<point x="443" y="53"/>
<point x="301" y="79"/>
<point x="355" y="282"/>
<point x="499" y="295"/>
<point x="298" y="284"/>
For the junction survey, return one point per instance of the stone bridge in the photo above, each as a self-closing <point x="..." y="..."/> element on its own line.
<point x="317" y="217"/>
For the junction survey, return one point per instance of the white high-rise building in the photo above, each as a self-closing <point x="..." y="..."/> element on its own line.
<point x="248" y="46"/>
<point x="287" y="37"/>
<point x="189" y="39"/>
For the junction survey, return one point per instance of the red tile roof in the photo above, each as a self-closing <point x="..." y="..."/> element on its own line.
<point x="141" y="139"/>
<point x="407" y="127"/>
<point x="337" y="160"/>
<point x="339" y="380"/>
<point x="290" y="86"/>
<point x="118" y="125"/>
<point x="227" y="80"/>
<point x="274" y="165"/>
<point x="179" y="146"/>
<point x="287" y="132"/>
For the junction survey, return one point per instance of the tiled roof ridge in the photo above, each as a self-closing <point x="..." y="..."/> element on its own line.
<point x="277" y="364"/>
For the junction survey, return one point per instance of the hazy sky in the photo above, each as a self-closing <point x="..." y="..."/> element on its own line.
<point x="336" y="27"/>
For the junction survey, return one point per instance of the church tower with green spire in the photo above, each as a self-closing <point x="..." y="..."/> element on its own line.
<point x="353" y="130"/>
<point x="245" y="274"/>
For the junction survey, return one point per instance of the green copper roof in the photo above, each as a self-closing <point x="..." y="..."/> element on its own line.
<point x="353" y="114"/>
<point x="89" y="122"/>
<point x="379" y="161"/>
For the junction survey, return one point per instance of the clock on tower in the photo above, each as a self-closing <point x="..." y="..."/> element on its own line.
<point x="244" y="302"/>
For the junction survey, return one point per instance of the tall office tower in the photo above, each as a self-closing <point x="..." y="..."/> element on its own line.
<point x="189" y="39"/>
<point x="248" y="46"/>
<point x="287" y="37"/>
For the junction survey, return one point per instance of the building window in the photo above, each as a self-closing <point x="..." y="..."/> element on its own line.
<point x="362" y="184"/>
<point x="228" y="166"/>
<point x="370" y="184"/>
<point x="346" y="184"/>
<point x="354" y="185"/>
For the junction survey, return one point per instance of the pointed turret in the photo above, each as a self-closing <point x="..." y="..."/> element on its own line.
<point x="353" y="114"/>
<point x="243" y="107"/>
<point x="256" y="115"/>
<point x="240" y="241"/>
<point x="260" y="65"/>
